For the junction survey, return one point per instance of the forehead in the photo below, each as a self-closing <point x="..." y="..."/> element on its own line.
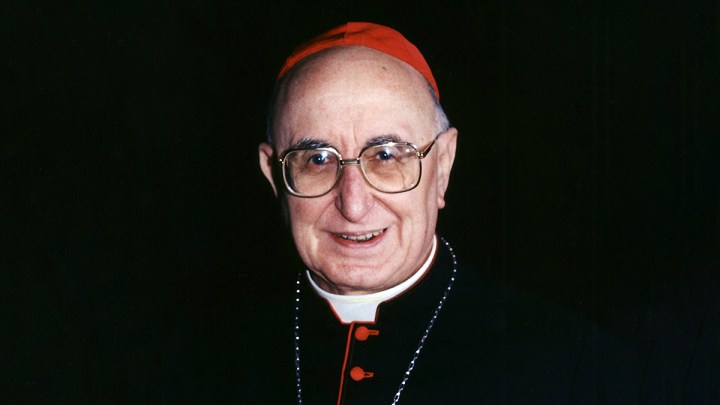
<point x="353" y="93"/>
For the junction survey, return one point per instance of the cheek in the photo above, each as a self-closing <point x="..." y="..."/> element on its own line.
<point x="417" y="209"/>
<point x="297" y="214"/>
<point x="430" y="188"/>
<point x="303" y="215"/>
<point x="426" y="204"/>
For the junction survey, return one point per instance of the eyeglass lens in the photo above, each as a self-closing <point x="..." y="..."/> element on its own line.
<point x="389" y="168"/>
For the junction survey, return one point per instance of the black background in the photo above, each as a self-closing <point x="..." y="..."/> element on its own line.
<point x="586" y="172"/>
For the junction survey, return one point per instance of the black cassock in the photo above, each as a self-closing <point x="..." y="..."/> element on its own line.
<point x="490" y="344"/>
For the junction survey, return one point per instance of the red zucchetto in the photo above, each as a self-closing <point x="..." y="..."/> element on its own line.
<point x="378" y="37"/>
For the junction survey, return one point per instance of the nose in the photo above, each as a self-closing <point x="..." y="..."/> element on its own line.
<point x="354" y="197"/>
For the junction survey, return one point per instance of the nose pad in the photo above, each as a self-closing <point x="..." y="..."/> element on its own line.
<point x="354" y="198"/>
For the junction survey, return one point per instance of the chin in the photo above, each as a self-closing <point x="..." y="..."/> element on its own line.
<point x="360" y="279"/>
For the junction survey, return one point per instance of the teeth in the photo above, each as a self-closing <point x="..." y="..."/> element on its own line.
<point x="360" y="238"/>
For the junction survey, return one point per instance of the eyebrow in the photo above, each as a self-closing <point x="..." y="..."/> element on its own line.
<point x="310" y="143"/>
<point x="313" y="143"/>
<point x="379" y="140"/>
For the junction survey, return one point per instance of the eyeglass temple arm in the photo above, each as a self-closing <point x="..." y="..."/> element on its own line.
<point x="427" y="149"/>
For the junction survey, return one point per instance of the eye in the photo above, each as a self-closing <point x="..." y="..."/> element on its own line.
<point x="320" y="158"/>
<point x="385" y="154"/>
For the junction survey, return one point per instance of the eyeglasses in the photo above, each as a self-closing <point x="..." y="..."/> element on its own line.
<point x="390" y="167"/>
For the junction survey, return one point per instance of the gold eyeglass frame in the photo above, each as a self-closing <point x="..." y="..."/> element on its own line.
<point x="420" y="153"/>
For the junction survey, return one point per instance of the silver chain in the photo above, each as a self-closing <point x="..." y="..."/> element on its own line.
<point x="416" y="354"/>
<point x="297" y="340"/>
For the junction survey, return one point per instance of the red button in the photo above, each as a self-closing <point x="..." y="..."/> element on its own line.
<point x="362" y="333"/>
<point x="357" y="374"/>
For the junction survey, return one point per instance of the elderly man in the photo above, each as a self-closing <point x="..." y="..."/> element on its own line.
<point x="360" y="152"/>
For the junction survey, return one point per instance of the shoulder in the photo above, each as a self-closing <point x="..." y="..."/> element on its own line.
<point x="680" y="340"/>
<point x="534" y="347"/>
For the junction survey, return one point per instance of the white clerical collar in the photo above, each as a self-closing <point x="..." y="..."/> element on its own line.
<point x="363" y="308"/>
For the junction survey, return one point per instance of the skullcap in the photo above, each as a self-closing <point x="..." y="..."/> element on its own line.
<point x="378" y="37"/>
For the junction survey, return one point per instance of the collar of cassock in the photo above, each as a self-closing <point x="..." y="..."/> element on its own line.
<point x="363" y="308"/>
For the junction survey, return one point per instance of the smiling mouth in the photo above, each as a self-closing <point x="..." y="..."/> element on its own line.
<point x="366" y="237"/>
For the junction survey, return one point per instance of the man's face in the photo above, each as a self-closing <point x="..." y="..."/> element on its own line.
<point x="356" y="239"/>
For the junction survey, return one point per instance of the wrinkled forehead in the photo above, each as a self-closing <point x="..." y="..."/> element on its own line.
<point x="346" y="83"/>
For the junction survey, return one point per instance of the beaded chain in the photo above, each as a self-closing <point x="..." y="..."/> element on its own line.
<point x="411" y="366"/>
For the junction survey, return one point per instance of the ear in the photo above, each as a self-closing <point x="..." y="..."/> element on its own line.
<point x="446" y="143"/>
<point x="266" y="153"/>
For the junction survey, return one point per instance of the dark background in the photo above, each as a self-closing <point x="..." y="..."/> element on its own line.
<point x="586" y="173"/>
